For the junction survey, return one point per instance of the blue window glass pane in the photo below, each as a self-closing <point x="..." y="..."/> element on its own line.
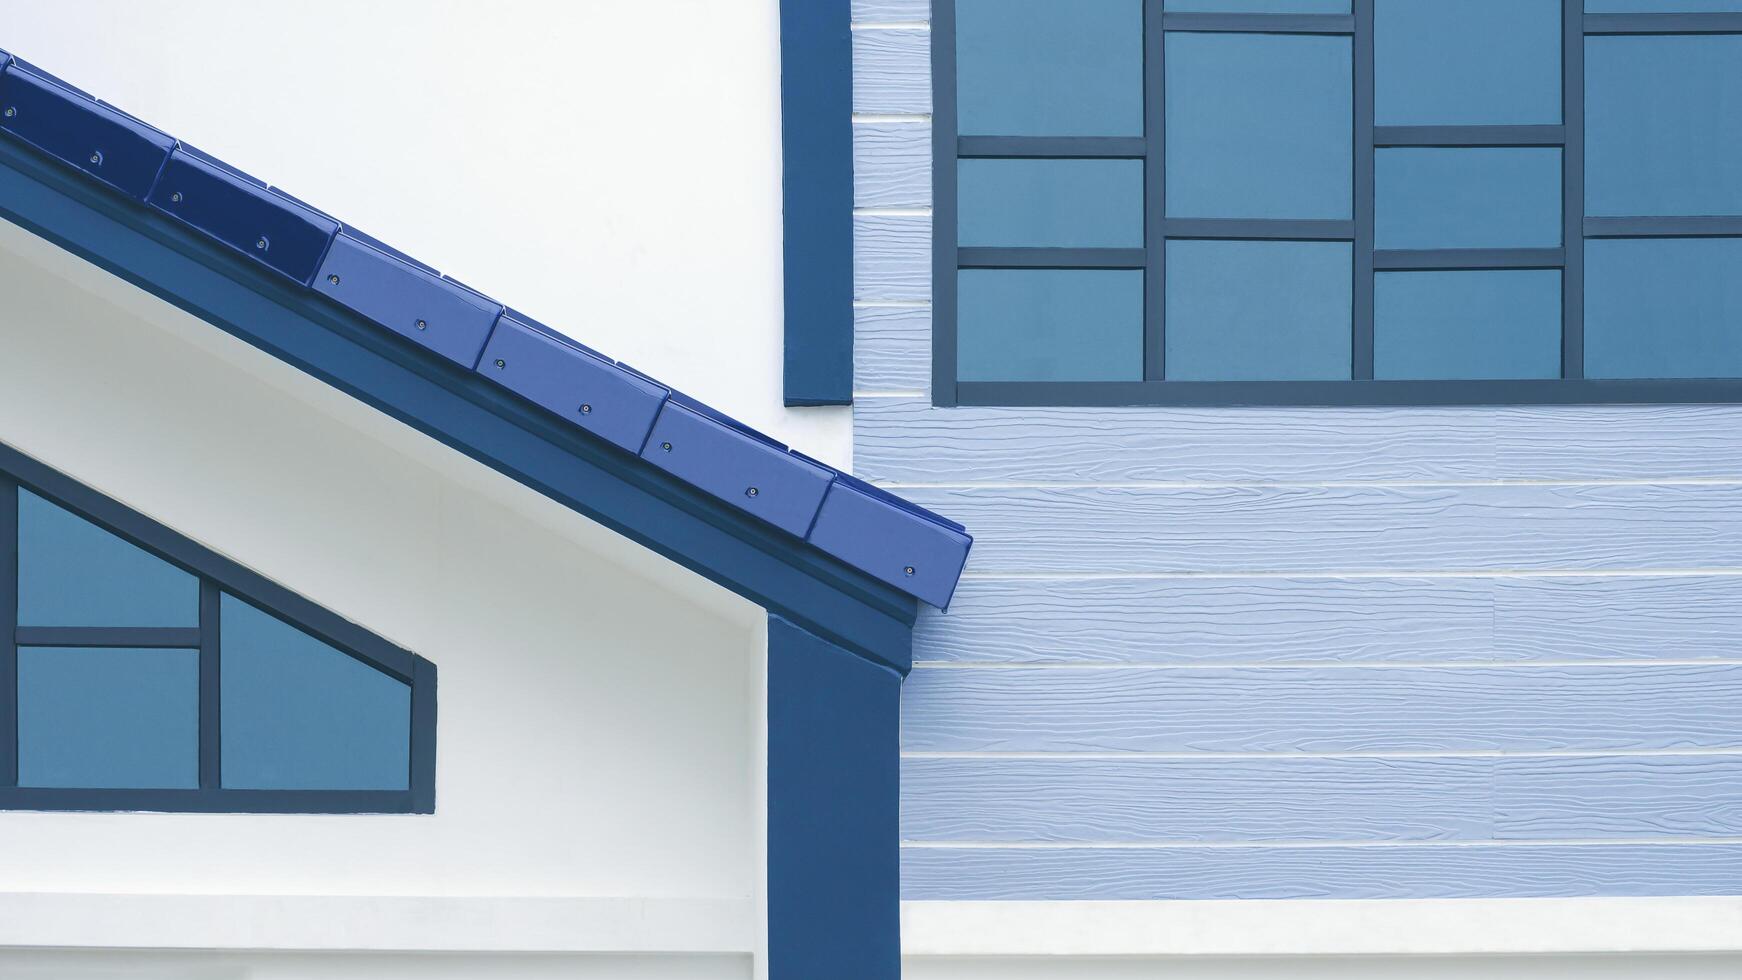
<point x="1259" y="126"/>
<point x="1049" y="67"/>
<point x="1049" y="325"/>
<point x="1469" y="197"/>
<point x="1258" y="311"/>
<point x="1660" y="136"/>
<point x="1056" y="203"/>
<point x="1662" y="6"/>
<point x="299" y="714"/>
<point x="1467" y="325"/>
<point x="1663" y="308"/>
<point x="1469" y="62"/>
<point x="1259" y="6"/>
<point x="73" y="573"/>
<point x="108" y="718"/>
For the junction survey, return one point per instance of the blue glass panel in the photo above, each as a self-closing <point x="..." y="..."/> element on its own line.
<point x="73" y="573"/>
<point x="1662" y="6"/>
<point x="1058" y="203"/>
<point x="1049" y="67"/>
<point x="1469" y="197"/>
<point x="1663" y="308"/>
<point x="108" y="718"/>
<point x="1467" y="325"/>
<point x="1469" y="62"/>
<point x="299" y="714"/>
<point x="1259" y="6"/>
<point x="1258" y="311"/>
<point x="1049" y="325"/>
<point x="1660" y="133"/>
<point x="1259" y="126"/>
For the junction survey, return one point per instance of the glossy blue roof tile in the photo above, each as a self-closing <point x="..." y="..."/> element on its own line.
<point x="582" y="387"/>
<point x="381" y="246"/>
<point x="98" y="139"/>
<point x="229" y="206"/>
<point x="912" y="549"/>
<point x="742" y="468"/>
<point x="447" y="318"/>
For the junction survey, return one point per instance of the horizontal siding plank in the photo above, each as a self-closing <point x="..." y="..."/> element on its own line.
<point x="909" y="440"/>
<point x="1322" y="710"/>
<point x="892" y="257"/>
<point x="1208" y="621"/>
<point x="891" y="11"/>
<point x="1349" y="620"/>
<point x="1166" y="800"/>
<point x="1390" y="871"/>
<point x="892" y="165"/>
<point x="892" y="72"/>
<point x="1619" y="796"/>
<point x="891" y="351"/>
<point x="1328" y="529"/>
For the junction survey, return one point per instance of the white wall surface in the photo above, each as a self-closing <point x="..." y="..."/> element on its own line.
<point x="600" y="711"/>
<point x="60" y="965"/>
<point x="611" y="167"/>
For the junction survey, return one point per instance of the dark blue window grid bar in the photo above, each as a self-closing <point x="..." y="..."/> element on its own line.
<point x="1571" y="388"/>
<point x="216" y="575"/>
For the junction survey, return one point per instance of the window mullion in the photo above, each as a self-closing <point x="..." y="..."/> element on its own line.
<point x="211" y="732"/>
<point x="8" y="632"/>
<point x="1573" y="189"/>
<point x="1362" y="343"/>
<point x="1154" y="193"/>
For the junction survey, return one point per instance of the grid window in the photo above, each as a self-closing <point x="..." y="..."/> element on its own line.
<point x="1337" y="201"/>
<point x="133" y="676"/>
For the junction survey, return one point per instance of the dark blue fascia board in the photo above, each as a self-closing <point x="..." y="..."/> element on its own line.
<point x="834" y="859"/>
<point x="816" y="112"/>
<point x="464" y="410"/>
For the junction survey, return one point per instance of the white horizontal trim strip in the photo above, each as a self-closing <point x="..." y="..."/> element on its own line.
<point x="1403" y="754"/>
<point x="1298" y="485"/>
<point x="891" y="117"/>
<point x="377" y="923"/>
<point x="1306" y="845"/>
<point x="1321" y="927"/>
<point x="1349" y="573"/>
<point x="1319" y="664"/>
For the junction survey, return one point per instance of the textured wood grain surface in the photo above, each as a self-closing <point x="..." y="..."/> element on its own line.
<point x="892" y="165"/>
<point x="892" y="349"/>
<point x="892" y="72"/>
<point x="891" y="257"/>
<point x="1337" y="528"/>
<point x="1387" y="871"/>
<point x="906" y="440"/>
<point x="1349" y="620"/>
<point x="1619" y="796"/>
<point x="890" y="11"/>
<point x="1156" y="800"/>
<point x="1323" y="710"/>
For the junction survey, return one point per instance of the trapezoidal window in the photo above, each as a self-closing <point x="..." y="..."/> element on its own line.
<point x="140" y="671"/>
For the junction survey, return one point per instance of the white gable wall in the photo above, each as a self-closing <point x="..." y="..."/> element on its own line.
<point x="600" y="716"/>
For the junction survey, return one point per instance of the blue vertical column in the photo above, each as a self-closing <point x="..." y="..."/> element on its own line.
<point x="834" y="857"/>
<point x="816" y="128"/>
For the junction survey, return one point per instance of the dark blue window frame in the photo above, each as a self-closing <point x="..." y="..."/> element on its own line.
<point x="217" y="576"/>
<point x="1571" y="387"/>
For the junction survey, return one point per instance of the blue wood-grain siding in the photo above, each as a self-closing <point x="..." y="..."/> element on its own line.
<point x="1291" y="653"/>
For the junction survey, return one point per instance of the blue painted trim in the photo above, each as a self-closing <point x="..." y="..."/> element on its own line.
<point x="462" y="409"/>
<point x="834" y="860"/>
<point x="216" y="574"/>
<point x="816" y="111"/>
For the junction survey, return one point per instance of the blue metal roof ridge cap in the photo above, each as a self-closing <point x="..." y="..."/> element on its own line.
<point x="310" y="268"/>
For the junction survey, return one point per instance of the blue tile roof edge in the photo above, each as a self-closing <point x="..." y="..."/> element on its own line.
<point x="891" y="539"/>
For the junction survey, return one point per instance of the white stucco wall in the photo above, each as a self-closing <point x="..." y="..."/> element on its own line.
<point x="610" y="167"/>
<point x="599" y="751"/>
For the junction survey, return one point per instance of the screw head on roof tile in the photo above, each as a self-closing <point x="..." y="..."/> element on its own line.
<point x="423" y="324"/>
<point x="908" y="571"/>
<point x="751" y="492"/>
<point x="10" y="112"/>
<point x="500" y="364"/>
<point x="665" y="446"/>
<point x="334" y="279"/>
<point x="262" y="244"/>
<point x="175" y="198"/>
<point x="586" y="409"/>
<point x="97" y="157"/>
